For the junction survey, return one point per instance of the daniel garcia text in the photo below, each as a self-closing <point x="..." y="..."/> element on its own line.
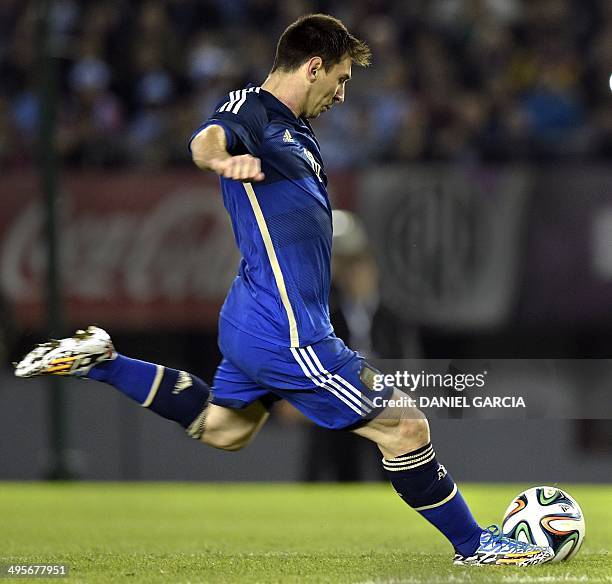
<point x="456" y="401"/>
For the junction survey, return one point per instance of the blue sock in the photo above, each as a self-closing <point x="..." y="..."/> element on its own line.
<point x="425" y="485"/>
<point x="175" y="395"/>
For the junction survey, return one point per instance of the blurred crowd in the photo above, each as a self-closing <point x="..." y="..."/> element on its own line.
<point x="451" y="80"/>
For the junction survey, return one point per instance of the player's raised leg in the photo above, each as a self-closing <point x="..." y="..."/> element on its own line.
<point x="232" y="429"/>
<point x="175" y="395"/>
<point x="402" y="435"/>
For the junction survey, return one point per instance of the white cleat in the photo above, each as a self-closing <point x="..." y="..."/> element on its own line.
<point x="497" y="550"/>
<point x="74" y="355"/>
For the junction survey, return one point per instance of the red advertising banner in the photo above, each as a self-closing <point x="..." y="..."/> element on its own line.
<point x="137" y="250"/>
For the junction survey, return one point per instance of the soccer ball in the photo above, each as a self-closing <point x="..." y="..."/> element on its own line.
<point x="546" y="516"/>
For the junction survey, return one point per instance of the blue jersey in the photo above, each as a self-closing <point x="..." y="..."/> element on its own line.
<point x="282" y="225"/>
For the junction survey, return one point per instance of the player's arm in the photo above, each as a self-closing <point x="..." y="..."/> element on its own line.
<point x="209" y="152"/>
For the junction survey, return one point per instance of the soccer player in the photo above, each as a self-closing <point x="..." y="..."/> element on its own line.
<point x="274" y="329"/>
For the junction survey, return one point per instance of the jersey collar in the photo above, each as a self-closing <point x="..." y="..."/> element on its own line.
<point x="276" y="105"/>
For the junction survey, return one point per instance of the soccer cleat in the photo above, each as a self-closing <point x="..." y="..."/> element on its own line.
<point x="497" y="550"/>
<point x="74" y="355"/>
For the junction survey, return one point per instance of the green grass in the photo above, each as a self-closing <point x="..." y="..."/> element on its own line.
<point x="265" y="533"/>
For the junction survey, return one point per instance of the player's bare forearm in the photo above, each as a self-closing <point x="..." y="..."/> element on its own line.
<point x="209" y="146"/>
<point x="209" y="152"/>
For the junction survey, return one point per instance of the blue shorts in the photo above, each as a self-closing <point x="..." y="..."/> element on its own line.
<point x="328" y="382"/>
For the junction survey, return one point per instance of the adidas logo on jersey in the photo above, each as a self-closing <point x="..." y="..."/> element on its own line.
<point x="287" y="137"/>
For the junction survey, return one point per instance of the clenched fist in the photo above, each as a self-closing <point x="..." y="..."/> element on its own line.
<point x="245" y="168"/>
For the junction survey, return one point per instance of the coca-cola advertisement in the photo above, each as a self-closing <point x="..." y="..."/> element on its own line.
<point x="136" y="250"/>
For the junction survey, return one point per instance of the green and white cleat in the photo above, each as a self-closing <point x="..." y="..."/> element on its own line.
<point x="497" y="550"/>
<point x="74" y="355"/>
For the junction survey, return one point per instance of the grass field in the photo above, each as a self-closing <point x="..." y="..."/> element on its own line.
<point x="265" y="533"/>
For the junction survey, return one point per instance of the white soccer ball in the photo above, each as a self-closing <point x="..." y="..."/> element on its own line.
<point x="546" y="516"/>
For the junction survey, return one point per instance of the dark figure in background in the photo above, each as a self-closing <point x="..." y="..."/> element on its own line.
<point x="358" y="316"/>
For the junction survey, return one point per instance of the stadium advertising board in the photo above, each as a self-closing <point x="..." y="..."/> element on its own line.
<point x="136" y="250"/>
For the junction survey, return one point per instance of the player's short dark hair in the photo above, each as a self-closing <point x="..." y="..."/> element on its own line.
<point x="318" y="35"/>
